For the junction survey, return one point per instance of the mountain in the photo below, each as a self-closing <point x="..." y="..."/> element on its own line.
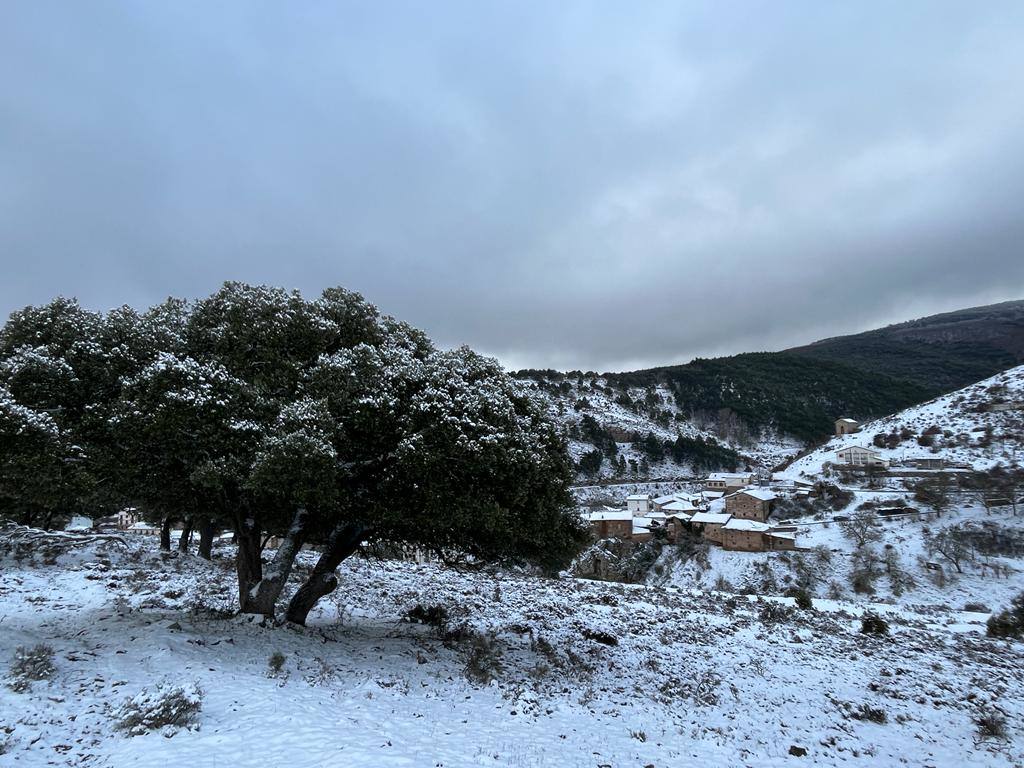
<point x="940" y="352"/>
<point x="763" y="407"/>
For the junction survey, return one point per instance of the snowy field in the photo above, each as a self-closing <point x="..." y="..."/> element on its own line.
<point x="584" y="674"/>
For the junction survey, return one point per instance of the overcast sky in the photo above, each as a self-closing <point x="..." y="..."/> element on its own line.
<point x="598" y="185"/>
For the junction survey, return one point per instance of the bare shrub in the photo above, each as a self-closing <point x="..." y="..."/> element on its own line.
<point x="30" y="665"/>
<point x="165" y="707"/>
<point x="871" y="624"/>
<point x="275" y="664"/>
<point x="991" y="725"/>
<point x="483" y="658"/>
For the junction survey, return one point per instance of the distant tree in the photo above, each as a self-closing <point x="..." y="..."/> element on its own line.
<point x="590" y="462"/>
<point x="861" y="528"/>
<point x="951" y="543"/>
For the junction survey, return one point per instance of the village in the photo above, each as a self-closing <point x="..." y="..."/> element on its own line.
<point x="734" y="510"/>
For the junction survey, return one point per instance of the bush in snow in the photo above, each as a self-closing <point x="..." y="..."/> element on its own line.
<point x="874" y="625"/>
<point x="991" y="725"/>
<point x="483" y="658"/>
<point x="1008" y="623"/>
<point x="165" y="707"/>
<point x="776" y="613"/>
<point x="275" y="663"/>
<point x="29" y="665"/>
<point x="435" y="616"/>
<point x="802" y="598"/>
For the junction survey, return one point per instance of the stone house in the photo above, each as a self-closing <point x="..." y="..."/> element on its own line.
<point x="750" y="504"/>
<point x="611" y="524"/>
<point x="755" y="536"/>
<point x="710" y="524"/>
<point x="846" y="426"/>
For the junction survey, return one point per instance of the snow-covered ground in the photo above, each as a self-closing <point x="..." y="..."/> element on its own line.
<point x="968" y="433"/>
<point x="590" y="674"/>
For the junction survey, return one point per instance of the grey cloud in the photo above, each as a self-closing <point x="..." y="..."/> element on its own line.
<point x="574" y="185"/>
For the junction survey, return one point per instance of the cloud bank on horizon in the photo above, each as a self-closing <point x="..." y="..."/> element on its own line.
<point x="574" y="185"/>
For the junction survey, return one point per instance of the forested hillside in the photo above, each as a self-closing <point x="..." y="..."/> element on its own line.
<point x="941" y="353"/>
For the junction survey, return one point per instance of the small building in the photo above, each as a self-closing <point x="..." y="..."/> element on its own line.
<point x="846" y="426"/>
<point x="642" y="530"/>
<point x="639" y="503"/>
<point x="925" y="462"/>
<point x="750" y="504"/>
<point x="611" y="524"/>
<point x="858" y="456"/>
<point x="754" y="536"/>
<point x="679" y="507"/>
<point x="710" y="524"/>
<point x="127" y="517"/>
<point x="744" y="535"/>
<point x="728" y="481"/>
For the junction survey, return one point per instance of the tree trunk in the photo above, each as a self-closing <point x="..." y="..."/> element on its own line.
<point x="186" y="535"/>
<point x="342" y="543"/>
<point x="206" y="538"/>
<point x="248" y="562"/>
<point x="262" y="596"/>
<point x="165" y="534"/>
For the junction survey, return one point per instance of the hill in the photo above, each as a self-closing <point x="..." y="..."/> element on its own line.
<point x="940" y="353"/>
<point x="763" y="407"/>
<point x="979" y="426"/>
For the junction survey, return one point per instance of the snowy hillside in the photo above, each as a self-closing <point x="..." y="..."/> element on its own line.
<point x="979" y="426"/>
<point x="628" y="415"/>
<point x="522" y="672"/>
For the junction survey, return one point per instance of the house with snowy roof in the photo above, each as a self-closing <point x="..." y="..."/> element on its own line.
<point x="859" y="456"/>
<point x="754" y="536"/>
<point x="728" y="481"/>
<point x="750" y="504"/>
<point x="845" y="426"/>
<point x="709" y="524"/>
<point x="611" y="524"/>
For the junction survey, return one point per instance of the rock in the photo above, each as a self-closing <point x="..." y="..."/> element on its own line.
<point x="796" y="751"/>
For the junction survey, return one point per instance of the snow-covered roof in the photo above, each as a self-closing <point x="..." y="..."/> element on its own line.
<point x="791" y="535"/>
<point x="639" y="497"/>
<point x="608" y="514"/>
<point x="142" y="527"/>
<point x="736" y="524"/>
<point x="712" y="494"/>
<point x="847" y="421"/>
<point x="710" y="517"/>
<point x="762" y="494"/>
<point x="678" y="506"/>
<point x="656" y="515"/>
<point x="729" y="476"/>
<point x="667" y="499"/>
<point x="684" y="516"/>
<point x="640" y="528"/>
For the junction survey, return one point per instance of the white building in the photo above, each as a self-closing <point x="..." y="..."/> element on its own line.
<point x="728" y="481"/>
<point x="858" y="456"/>
<point x="639" y="503"/>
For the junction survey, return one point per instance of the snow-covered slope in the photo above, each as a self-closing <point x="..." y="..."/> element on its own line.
<point x="967" y="428"/>
<point x="585" y="674"/>
<point x="636" y="412"/>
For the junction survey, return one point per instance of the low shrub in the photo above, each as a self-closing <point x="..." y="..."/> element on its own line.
<point x="483" y="658"/>
<point x="275" y="663"/>
<point x="991" y="725"/>
<point x="165" y="707"/>
<point x="1008" y="623"/>
<point x="802" y="598"/>
<point x="30" y="665"/>
<point x="435" y="616"/>
<point x="871" y="624"/>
